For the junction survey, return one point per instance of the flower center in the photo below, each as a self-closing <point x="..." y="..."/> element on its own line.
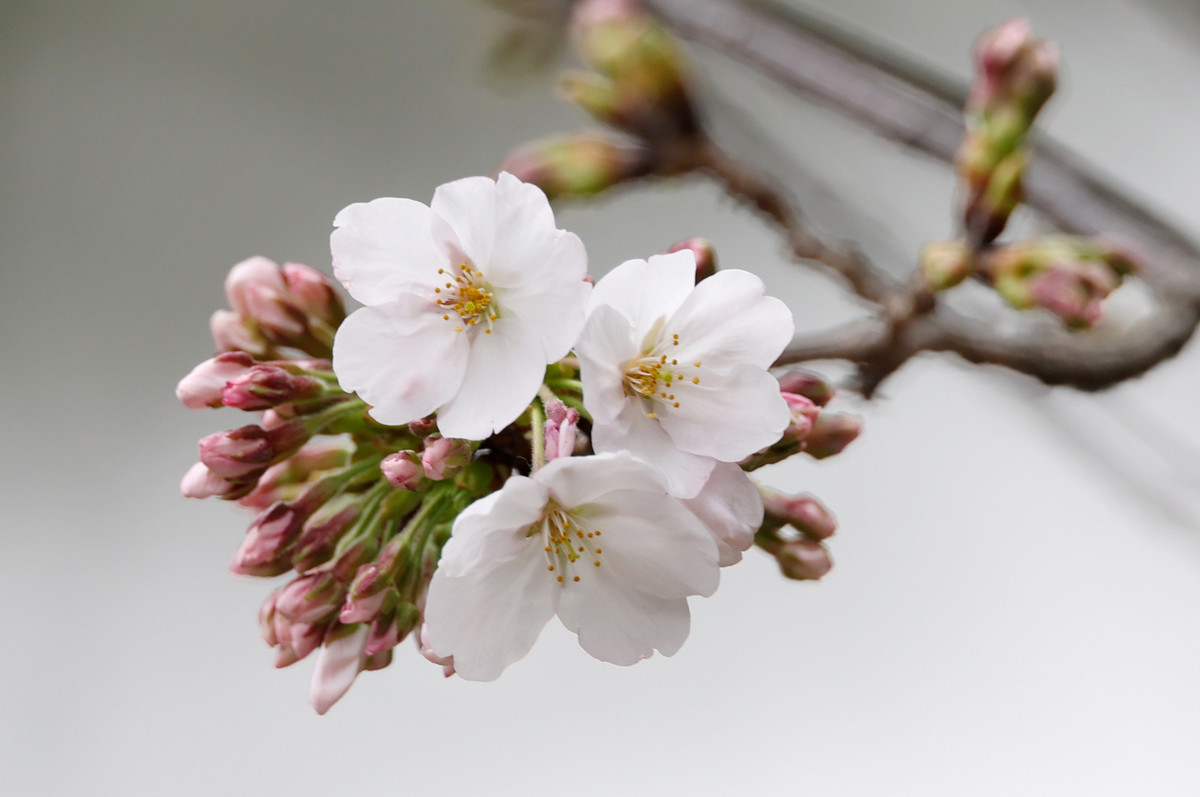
<point x="468" y="296"/>
<point x="569" y="544"/>
<point x="656" y="379"/>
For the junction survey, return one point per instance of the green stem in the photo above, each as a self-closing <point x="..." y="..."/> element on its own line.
<point x="537" y="429"/>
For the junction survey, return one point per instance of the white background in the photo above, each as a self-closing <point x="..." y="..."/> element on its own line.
<point x="1015" y="604"/>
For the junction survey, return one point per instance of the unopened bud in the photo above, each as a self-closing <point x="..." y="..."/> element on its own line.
<point x="804" y="413"/>
<point x="200" y="482"/>
<point x="237" y="454"/>
<point x="804" y="513"/>
<point x="831" y="433"/>
<point x="702" y="249"/>
<point x="265" y="386"/>
<point x="945" y="264"/>
<point x="807" y="384"/>
<point x="444" y="456"/>
<point x="323" y="529"/>
<point x="392" y="627"/>
<point x="256" y="290"/>
<point x="403" y="470"/>
<point x="342" y="658"/>
<point x="579" y="164"/>
<point x="314" y="294"/>
<point x="561" y="422"/>
<point x="203" y="385"/>
<point x="803" y="560"/>
<point x="310" y="598"/>
<point x="446" y="662"/>
<point x="265" y="548"/>
<point x="230" y="332"/>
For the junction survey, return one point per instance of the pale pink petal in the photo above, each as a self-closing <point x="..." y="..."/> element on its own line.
<point x="389" y="247"/>
<point x="728" y="320"/>
<point x="249" y="275"/>
<point x="727" y="417"/>
<point x="584" y="480"/>
<point x="604" y="347"/>
<point x="646" y="292"/>
<point x="618" y="624"/>
<point x="524" y="246"/>
<point x="469" y="207"/>
<point x="487" y="620"/>
<point x="503" y="373"/>
<point x="200" y="482"/>
<point x="645" y="438"/>
<point x="732" y="508"/>
<point x="552" y="292"/>
<point x="400" y="358"/>
<point x="494" y="528"/>
<point x="338" y="664"/>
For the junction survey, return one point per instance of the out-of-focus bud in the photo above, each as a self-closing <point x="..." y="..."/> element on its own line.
<point x="803" y="560"/>
<point x="202" y="387"/>
<point x="423" y="427"/>
<point x="284" y="480"/>
<point x="807" y="384"/>
<point x="831" y="433"/>
<point x="324" y="528"/>
<point x="265" y="549"/>
<point x="256" y="290"/>
<point x="945" y="264"/>
<point x="444" y="456"/>
<point x="230" y="332"/>
<point x="1015" y="75"/>
<point x="342" y="658"/>
<point x="391" y="627"/>
<point x="265" y="386"/>
<point x="578" y="164"/>
<point x="561" y="422"/>
<point x="403" y="470"/>
<point x="314" y="294"/>
<point x="702" y="249"/>
<point x="237" y="454"/>
<point x="200" y="482"/>
<point x="804" y="413"/>
<point x="1068" y="276"/>
<point x="373" y="582"/>
<point x="804" y="513"/>
<point x="310" y="598"/>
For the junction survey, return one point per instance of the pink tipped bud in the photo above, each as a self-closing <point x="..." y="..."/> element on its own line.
<point x="802" y="512"/>
<point x="257" y="290"/>
<point x="265" y="386"/>
<point x="578" y="164"/>
<point x="803" y="560"/>
<point x="342" y="657"/>
<point x="265" y="548"/>
<point x="239" y="454"/>
<point x="368" y="595"/>
<point x="296" y="640"/>
<point x="807" y="384"/>
<point x="561" y="423"/>
<point x="200" y="482"/>
<point x="831" y="433"/>
<point x="323" y="530"/>
<point x="314" y="294"/>
<point x="310" y="598"/>
<point x="230" y="332"/>
<point x="423" y="427"/>
<point x="202" y="387"/>
<point x="403" y="470"/>
<point x="444" y="456"/>
<point x="391" y="628"/>
<point x="702" y="249"/>
<point x="804" y="413"/>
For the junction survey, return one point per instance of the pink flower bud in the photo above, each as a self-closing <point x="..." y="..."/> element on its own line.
<point x="258" y="292"/>
<point x="802" y="512"/>
<point x="230" y="332"/>
<point x="314" y="294"/>
<point x="804" y="560"/>
<point x="444" y="456"/>
<point x="265" y="386"/>
<point x="265" y="548"/>
<point x="239" y="454"/>
<point x="403" y="470"/>
<point x="804" y="412"/>
<point x="702" y="249"/>
<point x="561" y="423"/>
<point x="392" y="627"/>
<point x="296" y="640"/>
<point x="341" y="659"/>
<point x="831" y="433"/>
<point x="310" y="598"/>
<point x="423" y="427"/>
<point x="200" y="482"/>
<point x="323" y="530"/>
<point x="363" y="605"/>
<point x="203" y="385"/>
<point x="807" y="384"/>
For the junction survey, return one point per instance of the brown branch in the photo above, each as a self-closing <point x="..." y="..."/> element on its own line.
<point x="905" y="103"/>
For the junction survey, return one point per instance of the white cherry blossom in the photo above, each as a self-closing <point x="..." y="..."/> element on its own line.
<point x="675" y="372"/>
<point x="596" y="540"/>
<point x="731" y="506"/>
<point x="467" y="301"/>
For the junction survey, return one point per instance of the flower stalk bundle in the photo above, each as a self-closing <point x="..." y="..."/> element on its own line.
<point x="491" y="440"/>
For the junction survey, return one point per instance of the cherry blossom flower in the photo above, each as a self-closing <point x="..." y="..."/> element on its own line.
<point x="675" y="372"/>
<point x="732" y="508"/>
<point x="467" y="301"/>
<point x="596" y="540"/>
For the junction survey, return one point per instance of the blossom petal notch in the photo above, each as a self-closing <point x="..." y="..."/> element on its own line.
<point x="467" y="301"/>
<point x="675" y="372"/>
<point x="596" y="540"/>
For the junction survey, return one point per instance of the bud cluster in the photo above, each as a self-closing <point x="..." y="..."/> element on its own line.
<point x="813" y="430"/>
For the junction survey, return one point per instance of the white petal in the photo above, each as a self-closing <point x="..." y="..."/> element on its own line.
<point x="388" y="247"/>
<point x="469" y="207"/>
<point x="401" y="358"/>
<point x="728" y="320"/>
<point x="645" y="292"/>
<point x="727" y="416"/>
<point x="338" y="664"/>
<point x="618" y="624"/>
<point x="503" y="373"/>
<point x="576" y="481"/>
<point x="732" y="508"/>
<point x="683" y="471"/>
<point x="604" y="346"/>
<point x="552" y="294"/>
<point x="494" y="528"/>
<point x="525" y="237"/>
<point x="487" y="620"/>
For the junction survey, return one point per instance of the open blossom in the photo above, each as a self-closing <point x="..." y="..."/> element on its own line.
<point x="596" y="540"/>
<point x="675" y="372"/>
<point x="467" y="301"/>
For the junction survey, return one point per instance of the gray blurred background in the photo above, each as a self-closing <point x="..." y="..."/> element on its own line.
<point x="1015" y="604"/>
